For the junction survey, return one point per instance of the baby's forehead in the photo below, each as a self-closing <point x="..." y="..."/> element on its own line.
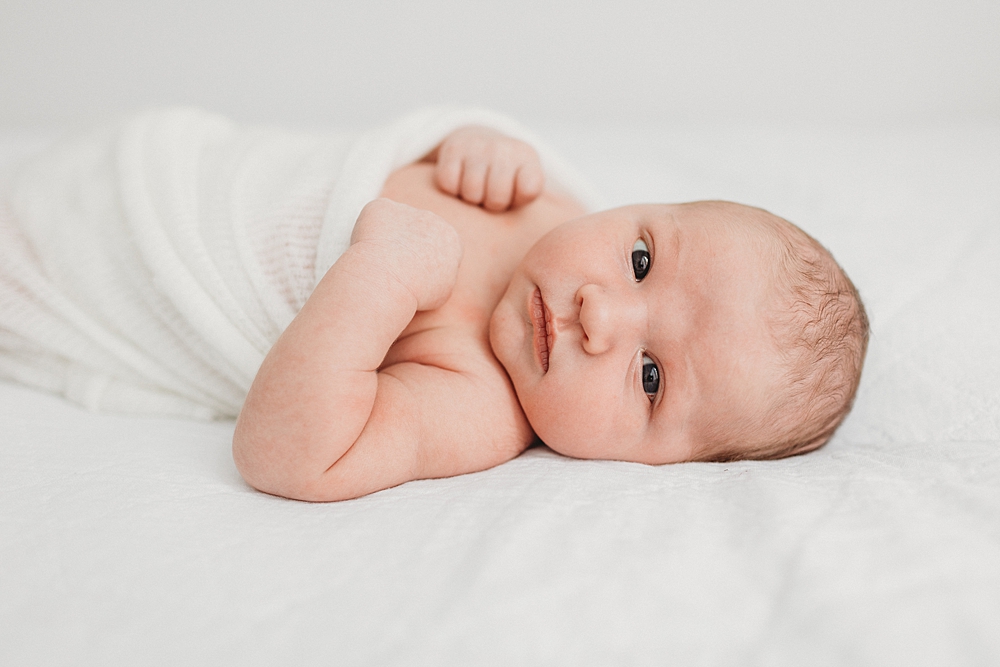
<point x="738" y="267"/>
<point x="722" y="237"/>
<point x="721" y="217"/>
<point x="722" y="278"/>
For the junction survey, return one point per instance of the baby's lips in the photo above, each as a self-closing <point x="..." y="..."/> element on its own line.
<point x="550" y="330"/>
<point x="540" y="329"/>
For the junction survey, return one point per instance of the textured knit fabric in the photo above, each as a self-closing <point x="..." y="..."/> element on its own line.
<point x="149" y="265"/>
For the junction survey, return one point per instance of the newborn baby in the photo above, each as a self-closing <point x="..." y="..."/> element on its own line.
<point x="476" y="311"/>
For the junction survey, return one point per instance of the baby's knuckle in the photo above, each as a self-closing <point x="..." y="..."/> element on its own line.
<point x="427" y="218"/>
<point x="472" y="189"/>
<point x="502" y="153"/>
<point x="472" y="144"/>
<point x="371" y="213"/>
<point x="532" y="176"/>
<point x="443" y="239"/>
<point x="431" y="223"/>
<point x="375" y="207"/>
<point x="450" y="150"/>
<point x="527" y="153"/>
<point x="447" y="177"/>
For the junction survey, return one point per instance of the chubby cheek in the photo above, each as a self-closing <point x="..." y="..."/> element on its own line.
<point x="576" y="424"/>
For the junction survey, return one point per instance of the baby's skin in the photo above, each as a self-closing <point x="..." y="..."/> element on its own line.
<point x="476" y="310"/>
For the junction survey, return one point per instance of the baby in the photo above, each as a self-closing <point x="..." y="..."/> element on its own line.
<point x="476" y="311"/>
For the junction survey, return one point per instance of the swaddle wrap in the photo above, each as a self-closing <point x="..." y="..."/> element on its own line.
<point x="149" y="265"/>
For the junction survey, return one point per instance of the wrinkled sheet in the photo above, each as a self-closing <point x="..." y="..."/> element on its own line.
<point x="127" y="540"/>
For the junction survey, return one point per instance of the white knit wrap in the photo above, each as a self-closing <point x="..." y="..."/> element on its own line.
<point x="148" y="266"/>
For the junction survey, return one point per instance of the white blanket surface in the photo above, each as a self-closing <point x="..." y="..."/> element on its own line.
<point x="133" y="540"/>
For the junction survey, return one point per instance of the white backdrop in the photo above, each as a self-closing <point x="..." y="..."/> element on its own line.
<point x="134" y="541"/>
<point x="315" y="62"/>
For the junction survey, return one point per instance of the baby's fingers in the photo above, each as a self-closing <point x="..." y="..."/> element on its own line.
<point x="500" y="186"/>
<point x="485" y="168"/>
<point x="448" y="171"/>
<point x="528" y="184"/>
<point x="474" y="173"/>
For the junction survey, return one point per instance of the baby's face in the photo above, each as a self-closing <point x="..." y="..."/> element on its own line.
<point x="627" y="332"/>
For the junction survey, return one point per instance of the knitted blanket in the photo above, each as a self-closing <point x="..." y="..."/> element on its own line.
<point x="149" y="265"/>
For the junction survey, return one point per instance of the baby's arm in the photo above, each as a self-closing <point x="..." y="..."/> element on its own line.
<point x="484" y="167"/>
<point x="320" y="422"/>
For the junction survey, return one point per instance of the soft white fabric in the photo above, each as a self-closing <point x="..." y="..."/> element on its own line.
<point x="149" y="265"/>
<point x="127" y="540"/>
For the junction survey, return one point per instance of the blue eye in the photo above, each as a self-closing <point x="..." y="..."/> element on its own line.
<point x="640" y="260"/>
<point x="650" y="377"/>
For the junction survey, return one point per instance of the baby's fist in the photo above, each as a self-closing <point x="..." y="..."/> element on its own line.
<point x="484" y="167"/>
<point x="415" y="246"/>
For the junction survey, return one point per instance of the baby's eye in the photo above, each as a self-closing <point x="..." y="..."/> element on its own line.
<point x="650" y="377"/>
<point x="640" y="260"/>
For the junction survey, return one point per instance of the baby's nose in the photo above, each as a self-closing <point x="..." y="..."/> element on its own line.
<point x="603" y="317"/>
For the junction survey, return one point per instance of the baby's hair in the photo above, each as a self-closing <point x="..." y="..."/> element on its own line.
<point x="821" y="330"/>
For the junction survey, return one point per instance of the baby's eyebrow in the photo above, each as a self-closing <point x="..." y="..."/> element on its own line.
<point x="673" y="238"/>
<point x="664" y="244"/>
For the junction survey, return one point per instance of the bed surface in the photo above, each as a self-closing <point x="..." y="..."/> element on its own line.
<point x="134" y="541"/>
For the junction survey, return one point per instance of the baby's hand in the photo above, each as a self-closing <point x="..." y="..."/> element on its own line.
<point x="416" y="247"/>
<point x="484" y="167"/>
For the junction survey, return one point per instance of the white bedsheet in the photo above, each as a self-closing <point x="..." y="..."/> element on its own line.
<point x="134" y="541"/>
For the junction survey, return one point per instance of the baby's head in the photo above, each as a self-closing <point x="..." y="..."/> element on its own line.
<point x="667" y="333"/>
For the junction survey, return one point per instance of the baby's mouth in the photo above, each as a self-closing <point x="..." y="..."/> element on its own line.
<point x="540" y="319"/>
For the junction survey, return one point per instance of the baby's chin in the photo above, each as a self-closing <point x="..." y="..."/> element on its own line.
<point x="579" y="449"/>
<point x="557" y="432"/>
<point x="584" y="445"/>
<point x="582" y="449"/>
<point x="562" y="439"/>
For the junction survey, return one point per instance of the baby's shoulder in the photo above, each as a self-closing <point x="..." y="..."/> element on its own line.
<point x="460" y="393"/>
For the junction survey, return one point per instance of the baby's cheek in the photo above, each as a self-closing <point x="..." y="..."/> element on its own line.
<point x="573" y="428"/>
